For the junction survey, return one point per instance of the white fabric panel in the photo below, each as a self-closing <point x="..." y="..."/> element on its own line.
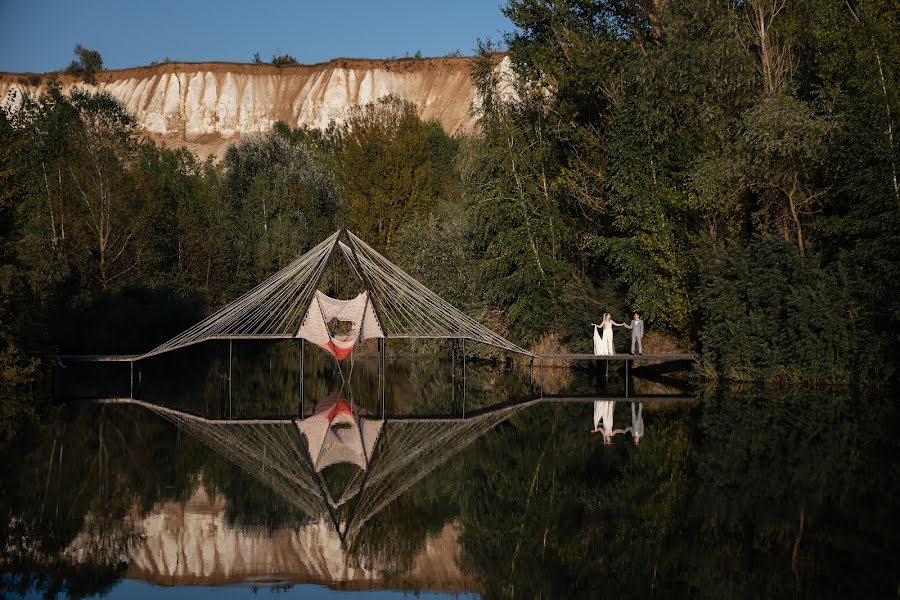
<point x="329" y="445"/>
<point x="324" y="309"/>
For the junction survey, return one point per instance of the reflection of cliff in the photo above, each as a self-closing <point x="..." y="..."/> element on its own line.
<point x="207" y="105"/>
<point x="191" y="543"/>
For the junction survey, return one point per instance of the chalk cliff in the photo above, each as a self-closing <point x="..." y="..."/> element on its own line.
<point x="206" y="106"/>
<point x="191" y="543"/>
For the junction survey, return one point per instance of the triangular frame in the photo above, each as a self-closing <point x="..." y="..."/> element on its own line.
<point x="276" y="307"/>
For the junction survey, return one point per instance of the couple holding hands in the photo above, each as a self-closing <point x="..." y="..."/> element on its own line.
<point x="603" y="335"/>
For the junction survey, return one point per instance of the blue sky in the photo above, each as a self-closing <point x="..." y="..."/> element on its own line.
<point x="139" y="590"/>
<point x="39" y="35"/>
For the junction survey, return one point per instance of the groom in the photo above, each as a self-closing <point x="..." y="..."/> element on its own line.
<point x="637" y="333"/>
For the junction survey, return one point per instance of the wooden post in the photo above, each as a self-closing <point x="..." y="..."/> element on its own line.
<point x="465" y="387"/>
<point x="382" y="377"/>
<point x="453" y="373"/>
<point x="626" y="377"/>
<point x="542" y="377"/>
<point x="302" y="376"/>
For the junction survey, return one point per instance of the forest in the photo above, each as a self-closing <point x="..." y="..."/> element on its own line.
<point x="728" y="169"/>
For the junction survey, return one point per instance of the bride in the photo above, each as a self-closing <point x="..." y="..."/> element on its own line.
<point x="603" y="342"/>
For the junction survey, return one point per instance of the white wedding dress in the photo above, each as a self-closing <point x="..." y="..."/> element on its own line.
<point x="603" y="413"/>
<point x="603" y="344"/>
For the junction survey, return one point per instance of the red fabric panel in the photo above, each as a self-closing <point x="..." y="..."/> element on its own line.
<point x="339" y="407"/>
<point x="340" y="353"/>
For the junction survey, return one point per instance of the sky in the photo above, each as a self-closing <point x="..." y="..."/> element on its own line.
<point x="38" y="35"/>
<point x="139" y="590"/>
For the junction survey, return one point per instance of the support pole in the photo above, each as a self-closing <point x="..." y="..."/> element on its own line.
<point x="465" y="389"/>
<point x="131" y="393"/>
<point x="383" y="377"/>
<point x="302" y="375"/>
<point x="453" y="373"/>
<point x="542" y="377"/>
<point x="626" y="377"/>
<point x="229" y="379"/>
<point x="607" y="369"/>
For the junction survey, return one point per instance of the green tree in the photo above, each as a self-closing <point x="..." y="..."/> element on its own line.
<point x="386" y="175"/>
<point x="88" y="64"/>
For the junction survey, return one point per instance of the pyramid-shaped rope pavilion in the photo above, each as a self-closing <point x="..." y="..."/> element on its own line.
<point x="289" y="305"/>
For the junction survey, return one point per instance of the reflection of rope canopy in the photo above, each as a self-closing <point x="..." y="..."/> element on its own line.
<point x="273" y="451"/>
<point x="336" y="434"/>
<point x="289" y="305"/>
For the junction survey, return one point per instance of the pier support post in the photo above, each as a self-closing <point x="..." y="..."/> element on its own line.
<point x="452" y="373"/>
<point x="131" y="391"/>
<point x="382" y="375"/>
<point x="626" y="377"/>
<point x="302" y="376"/>
<point x="229" y="378"/>
<point x="542" y="377"/>
<point x="465" y="389"/>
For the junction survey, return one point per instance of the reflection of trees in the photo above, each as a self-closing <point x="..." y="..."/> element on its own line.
<point x="796" y="486"/>
<point x="747" y="494"/>
<point x="521" y="502"/>
<point x="70" y="485"/>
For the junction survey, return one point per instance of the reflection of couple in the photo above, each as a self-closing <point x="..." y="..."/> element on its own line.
<point x="603" y="335"/>
<point x="603" y="413"/>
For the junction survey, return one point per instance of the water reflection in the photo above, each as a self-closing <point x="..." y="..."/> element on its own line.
<point x="338" y="466"/>
<point x="604" y="420"/>
<point x="735" y="492"/>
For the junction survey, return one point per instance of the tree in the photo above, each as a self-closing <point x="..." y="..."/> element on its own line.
<point x="88" y="64"/>
<point x="385" y="171"/>
<point x="282" y="201"/>
<point x="284" y="60"/>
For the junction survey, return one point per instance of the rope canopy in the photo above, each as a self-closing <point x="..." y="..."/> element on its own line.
<point x="289" y="304"/>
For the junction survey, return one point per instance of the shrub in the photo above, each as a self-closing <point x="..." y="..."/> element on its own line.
<point x="284" y="60"/>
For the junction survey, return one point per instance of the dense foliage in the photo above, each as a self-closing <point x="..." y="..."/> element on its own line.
<point x="629" y="155"/>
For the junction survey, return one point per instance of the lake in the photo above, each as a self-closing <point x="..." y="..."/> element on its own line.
<point x="491" y="484"/>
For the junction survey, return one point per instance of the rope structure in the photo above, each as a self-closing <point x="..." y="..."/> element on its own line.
<point x="279" y="307"/>
<point x="408" y="309"/>
<point x="276" y="453"/>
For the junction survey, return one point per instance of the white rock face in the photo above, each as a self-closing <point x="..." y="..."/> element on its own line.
<point x="191" y="543"/>
<point x="206" y="106"/>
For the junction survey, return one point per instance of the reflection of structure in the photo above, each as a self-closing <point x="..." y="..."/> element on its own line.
<point x="290" y="455"/>
<point x="336" y="434"/>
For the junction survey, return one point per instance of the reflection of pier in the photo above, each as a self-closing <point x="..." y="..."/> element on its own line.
<point x="289" y="455"/>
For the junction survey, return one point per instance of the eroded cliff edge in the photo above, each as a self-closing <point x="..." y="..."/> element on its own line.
<point x="206" y="106"/>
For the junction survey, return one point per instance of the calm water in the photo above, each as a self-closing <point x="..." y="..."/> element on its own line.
<point x="477" y="490"/>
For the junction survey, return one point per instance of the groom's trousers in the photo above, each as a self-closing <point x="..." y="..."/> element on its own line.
<point x="636" y="340"/>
